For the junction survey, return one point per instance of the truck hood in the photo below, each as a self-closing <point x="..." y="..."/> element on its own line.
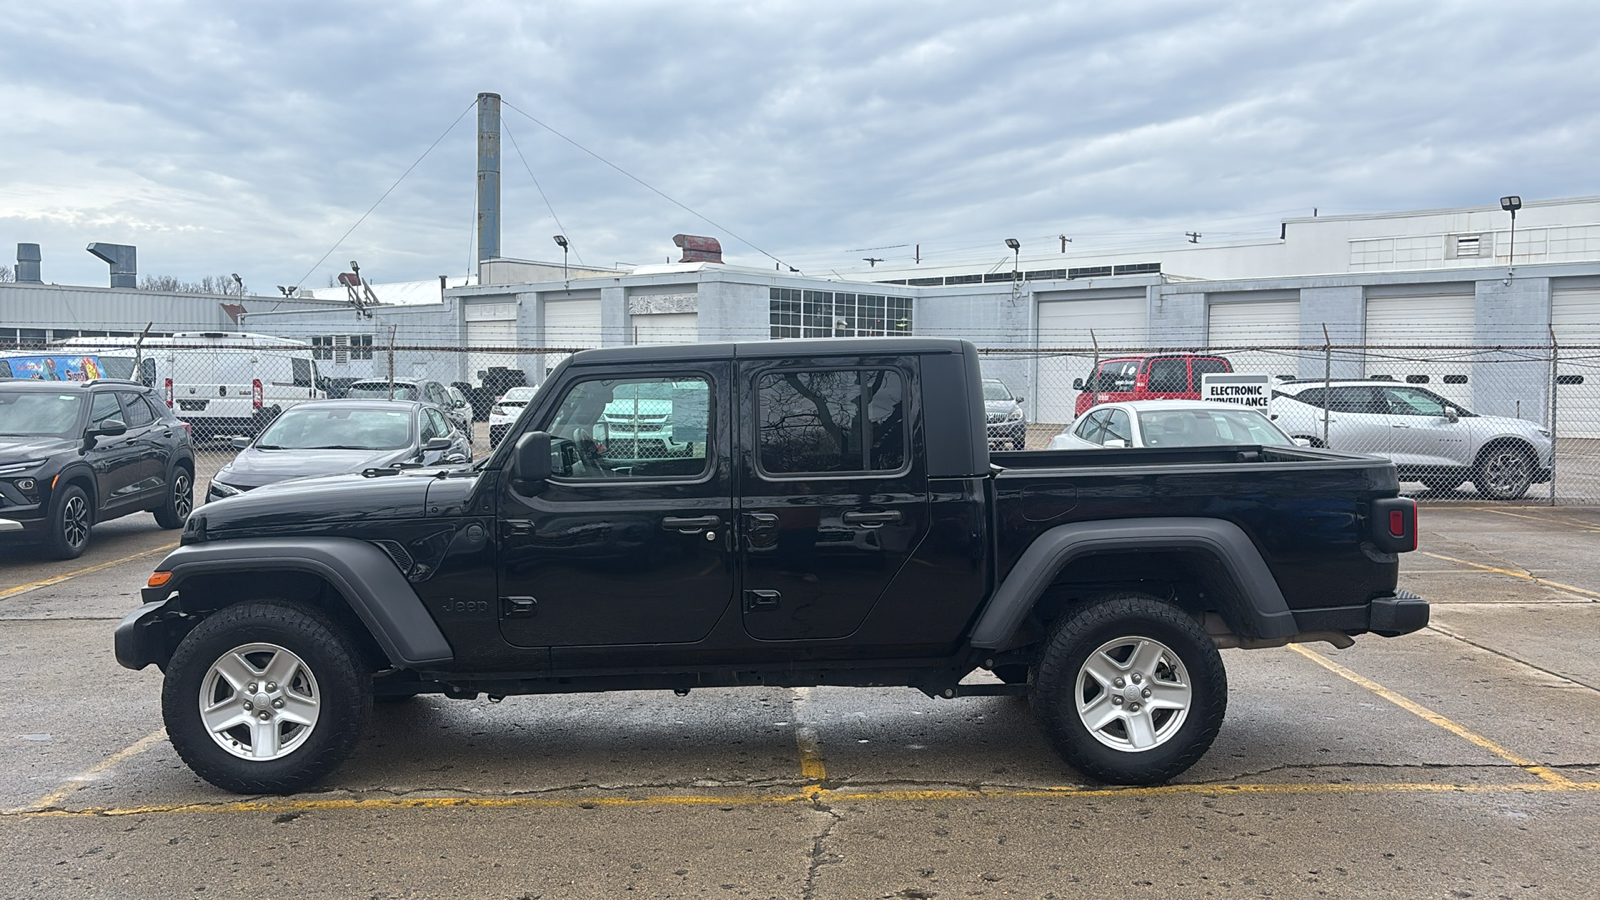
<point x="351" y="505"/>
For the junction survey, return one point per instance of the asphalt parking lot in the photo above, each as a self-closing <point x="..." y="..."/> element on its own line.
<point x="1462" y="761"/>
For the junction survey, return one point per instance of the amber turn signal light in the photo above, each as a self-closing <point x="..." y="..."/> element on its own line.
<point x="157" y="579"/>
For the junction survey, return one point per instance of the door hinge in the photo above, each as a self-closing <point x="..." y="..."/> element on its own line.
<point x="754" y="600"/>
<point x="518" y="607"/>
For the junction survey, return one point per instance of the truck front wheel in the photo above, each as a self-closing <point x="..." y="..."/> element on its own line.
<point x="1130" y="690"/>
<point x="265" y="697"/>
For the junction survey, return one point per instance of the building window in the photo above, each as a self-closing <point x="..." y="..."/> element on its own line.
<point x="341" y="347"/>
<point x="820" y="314"/>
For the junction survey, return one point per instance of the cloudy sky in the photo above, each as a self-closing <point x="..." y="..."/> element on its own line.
<point x="249" y="137"/>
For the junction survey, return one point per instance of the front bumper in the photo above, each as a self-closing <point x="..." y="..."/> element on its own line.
<point x="150" y="634"/>
<point x="1014" y="430"/>
<point x="16" y="527"/>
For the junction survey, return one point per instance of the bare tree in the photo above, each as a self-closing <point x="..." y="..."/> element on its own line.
<point x="210" y="284"/>
<point x="6" y="274"/>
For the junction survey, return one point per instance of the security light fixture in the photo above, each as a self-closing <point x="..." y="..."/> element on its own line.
<point x="561" y="241"/>
<point x="239" y="282"/>
<point x="289" y="291"/>
<point x="1014" y="244"/>
<point x="1511" y="204"/>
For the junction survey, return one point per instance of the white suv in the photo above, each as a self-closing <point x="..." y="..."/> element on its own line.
<point x="1430" y="439"/>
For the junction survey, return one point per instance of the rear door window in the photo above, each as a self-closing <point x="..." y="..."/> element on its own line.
<point x="1168" y="376"/>
<point x="1118" y="428"/>
<point x="850" y="420"/>
<point x="1204" y="367"/>
<point x="135" y="412"/>
<point x="1357" y="399"/>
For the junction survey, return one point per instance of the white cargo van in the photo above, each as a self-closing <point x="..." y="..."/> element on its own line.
<point x="221" y="383"/>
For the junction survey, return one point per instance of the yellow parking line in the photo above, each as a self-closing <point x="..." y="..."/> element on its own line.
<point x="1582" y="526"/>
<point x="811" y="766"/>
<point x="1429" y="715"/>
<point x="66" y="790"/>
<point x="806" y="796"/>
<point x="68" y="576"/>
<point x="1533" y="578"/>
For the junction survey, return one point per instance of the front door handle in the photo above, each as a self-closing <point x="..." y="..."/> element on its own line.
<point x="760" y="521"/>
<point x="690" y="524"/>
<point x="871" y="519"/>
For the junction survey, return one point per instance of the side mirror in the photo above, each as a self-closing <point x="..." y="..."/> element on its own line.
<point x="1302" y="442"/>
<point x="1116" y="444"/>
<point x="1077" y="384"/>
<point x="530" y="459"/>
<point x="1021" y="400"/>
<point x="438" y="443"/>
<point x="1452" y="414"/>
<point x="239" y="443"/>
<point x="109" y="428"/>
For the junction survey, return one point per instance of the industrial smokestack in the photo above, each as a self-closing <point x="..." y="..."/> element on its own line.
<point x="124" y="260"/>
<point x="28" y="264"/>
<point x="488" y="176"/>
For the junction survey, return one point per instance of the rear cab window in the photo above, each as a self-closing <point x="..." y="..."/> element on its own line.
<point x="831" y="421"/>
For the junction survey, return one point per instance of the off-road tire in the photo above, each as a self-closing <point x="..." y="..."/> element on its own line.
<point x="71" y="520"/>
<point x="343" y="690"/>
<point x="180" y="499"/>
<point x="1087" y="630"/>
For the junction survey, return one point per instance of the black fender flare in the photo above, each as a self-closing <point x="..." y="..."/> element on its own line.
<point x="1264" y="609"/>
<point x="364" y="575"/>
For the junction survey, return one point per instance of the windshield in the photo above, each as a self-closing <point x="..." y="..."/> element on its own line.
<point x="379" y="390"/>
<point x="304" y="428"/>
<point x="1209" y="428"/>
<point x="25" y="413"/>
<point x="994" y="390"/>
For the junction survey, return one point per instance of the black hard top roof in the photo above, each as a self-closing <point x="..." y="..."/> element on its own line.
<point x="779" y="349"/>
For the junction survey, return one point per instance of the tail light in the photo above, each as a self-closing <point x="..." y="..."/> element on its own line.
<point x="169" y="393"/>
<point x="255" y="393"/>
<point x="1394" y="524"/>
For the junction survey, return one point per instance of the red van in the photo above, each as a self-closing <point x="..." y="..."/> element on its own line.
<point x="1164" y="376"/>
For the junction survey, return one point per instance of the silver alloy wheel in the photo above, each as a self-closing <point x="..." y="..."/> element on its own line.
<point x="259" y="702"/>
<point x="1133" y="693"/>
<point x="1507" y="472"/>
<point x="182" y="494"/>
<point x="75" y="521"/>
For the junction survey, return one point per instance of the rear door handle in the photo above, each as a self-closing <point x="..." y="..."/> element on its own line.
<point x="690" y="524"/>
<point x="871" y="519"/>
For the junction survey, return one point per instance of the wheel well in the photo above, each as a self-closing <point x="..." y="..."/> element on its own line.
<point x="202" y="595"/>
<point x="1520" y="446"/>
<point x="1194" y="581"/>
<point x="83" y="480"/>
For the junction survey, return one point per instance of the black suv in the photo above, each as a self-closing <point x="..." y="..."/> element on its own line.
<point x="73" y="453"/>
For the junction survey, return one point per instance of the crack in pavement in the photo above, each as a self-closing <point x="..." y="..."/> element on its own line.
<point x="816" y="859"/>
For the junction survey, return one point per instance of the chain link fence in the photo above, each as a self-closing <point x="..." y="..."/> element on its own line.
<point x="1504" y="424"/>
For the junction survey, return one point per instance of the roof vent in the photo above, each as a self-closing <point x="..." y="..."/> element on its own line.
<point x="124" y="260"/>
<point x="698" y="249"/>
<point x="28" y="264"/>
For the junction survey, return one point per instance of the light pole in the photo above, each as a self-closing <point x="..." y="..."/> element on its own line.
<point x="1016" y="267"/>
<point x="1511" y="205"/>
<point x="238" y="284"/>
<point x="561" y="241"/>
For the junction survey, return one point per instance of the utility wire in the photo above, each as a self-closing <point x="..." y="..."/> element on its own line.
<point x="725" y="230"/>
<point x="536" y="184"/>
<point x="388" y="192"/>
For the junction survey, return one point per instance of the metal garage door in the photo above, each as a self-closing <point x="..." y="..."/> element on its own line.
<point x="1424" y="325"/>
<point x="1120" y="323"/>
<point x="666" y="328"/>
<point x="489" y="325"/>
<point x="570" y="323"/>
<point x="1264" y="323"/>
<point x="1575" y="316"/>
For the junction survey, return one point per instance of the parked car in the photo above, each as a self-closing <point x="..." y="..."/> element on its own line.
<point x="222" y="383"/>
<point x="1166" y="376"/>
<point x="1432" y="440"/>
<point x="505" y="411"/>
<point x="79" y="452"/>
<point x="1005" y="421"/>
<point x="332" y="437"/>
<point x="836" y="519"/>
<point x="1169" y="423"/>
<point x="424" y="391"/>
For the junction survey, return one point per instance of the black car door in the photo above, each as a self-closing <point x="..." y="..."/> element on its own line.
<point x="149" y="437"/>
<point x="630" y="542"/>
<point x="833" y="493"/>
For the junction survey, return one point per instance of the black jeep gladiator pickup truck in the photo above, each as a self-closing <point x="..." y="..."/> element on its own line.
<point x="778" y="513"/>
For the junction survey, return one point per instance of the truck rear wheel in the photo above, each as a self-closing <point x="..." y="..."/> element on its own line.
<point x="265" y="698"/>
<point x="1130" y="690"/>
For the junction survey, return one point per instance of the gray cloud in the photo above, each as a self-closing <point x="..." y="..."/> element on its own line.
<point x="249" y="139"/>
